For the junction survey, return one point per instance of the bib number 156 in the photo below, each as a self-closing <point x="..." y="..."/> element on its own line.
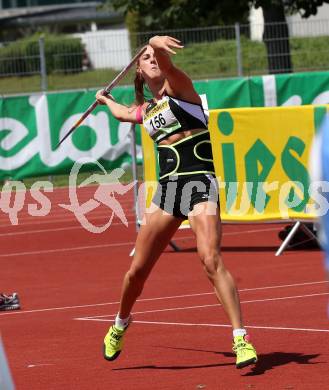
<point x="157" y="121"/>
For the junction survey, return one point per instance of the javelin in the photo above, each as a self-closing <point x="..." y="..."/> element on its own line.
<point x="106" y="91"/>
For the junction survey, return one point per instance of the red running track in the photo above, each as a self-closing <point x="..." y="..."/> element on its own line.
<point x="69" y="281"/>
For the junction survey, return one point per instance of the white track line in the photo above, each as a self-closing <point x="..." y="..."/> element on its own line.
<point x="48" y="219"/>
<point x="75" y="248"/>
<point x="230" y="326"/>
<point x="78" y="248"/>
<point x="250" y="231"/>
<point x="61" y="213"/>
<point x="117" y="223"/>
<point x="54" y="229"/>
<point x="109" y="245"/>
<point x="94" y="318"/>
<point x="284" y="286"/>
<point x="158" y="298"/>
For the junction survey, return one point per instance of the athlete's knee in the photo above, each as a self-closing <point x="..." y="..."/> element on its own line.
<point x="212" y="262"/>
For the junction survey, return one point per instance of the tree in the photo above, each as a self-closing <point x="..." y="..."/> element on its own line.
<point x="173" y="14"/>
<point x="276" y="32"/>
<point x="154" y="15"/>
<point x="276" y="36"/>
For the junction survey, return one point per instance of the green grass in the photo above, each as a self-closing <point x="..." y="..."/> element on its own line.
<point x="310" y="53"/>
<point x="208" y="60"/>
<point x="88" y="79"/>
<point x="201" y="61"/>
<point x="218" y="59"/>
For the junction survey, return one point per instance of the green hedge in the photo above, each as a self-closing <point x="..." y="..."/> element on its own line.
<point x="63" y="55"/>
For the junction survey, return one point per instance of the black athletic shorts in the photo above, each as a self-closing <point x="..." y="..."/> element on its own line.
<point x="177" y="195"/>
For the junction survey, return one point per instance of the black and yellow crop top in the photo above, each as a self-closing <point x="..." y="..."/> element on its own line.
<point x="171" y="115"/>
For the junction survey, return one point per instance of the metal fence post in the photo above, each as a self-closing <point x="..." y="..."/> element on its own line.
<point x="43" y="69"/>
<point x="134" y="171"/>
<point x="238" y="49"/>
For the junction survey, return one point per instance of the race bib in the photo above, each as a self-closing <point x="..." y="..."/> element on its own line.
<point x="160" y="121"/>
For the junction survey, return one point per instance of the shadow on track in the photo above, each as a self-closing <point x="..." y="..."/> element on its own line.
<point x="265" y="362"/>
<point x="182" y="367"/>
<point x="269" y="361"/>
<point x="155" y="367"/>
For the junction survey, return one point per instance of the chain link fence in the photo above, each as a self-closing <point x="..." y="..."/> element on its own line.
<point x="90" y="60"/>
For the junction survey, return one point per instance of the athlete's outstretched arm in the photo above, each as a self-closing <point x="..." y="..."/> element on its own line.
<point x="179" y="82"/>
<point x="119" y="111"/>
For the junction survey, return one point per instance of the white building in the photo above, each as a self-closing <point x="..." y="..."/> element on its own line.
<point x="298" y="27"/>
<point x="107" y="48"/>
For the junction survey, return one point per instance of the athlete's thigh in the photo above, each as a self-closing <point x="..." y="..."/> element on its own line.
<point x="206" y="225"/>
<point x="154" y="235"/>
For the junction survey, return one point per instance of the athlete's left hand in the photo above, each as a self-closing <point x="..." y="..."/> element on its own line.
<point x="103" y="98"/>
<point x="165" y="43"/>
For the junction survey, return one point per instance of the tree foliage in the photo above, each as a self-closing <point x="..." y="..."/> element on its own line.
<point x="306" y="8"/>
<point x="200" y="13"/>
<point x="276" y="32"/>
<point x="174" y="14"/>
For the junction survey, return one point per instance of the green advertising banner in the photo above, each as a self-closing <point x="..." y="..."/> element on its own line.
<point x="297" y="89"/>
<point x="31" y="126"/>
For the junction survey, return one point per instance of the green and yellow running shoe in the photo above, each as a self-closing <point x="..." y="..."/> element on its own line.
<point x="113" y="342"/>
<point x="245" y="352"/>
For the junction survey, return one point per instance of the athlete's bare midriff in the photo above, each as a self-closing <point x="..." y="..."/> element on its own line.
<point x="179" y="136"/>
